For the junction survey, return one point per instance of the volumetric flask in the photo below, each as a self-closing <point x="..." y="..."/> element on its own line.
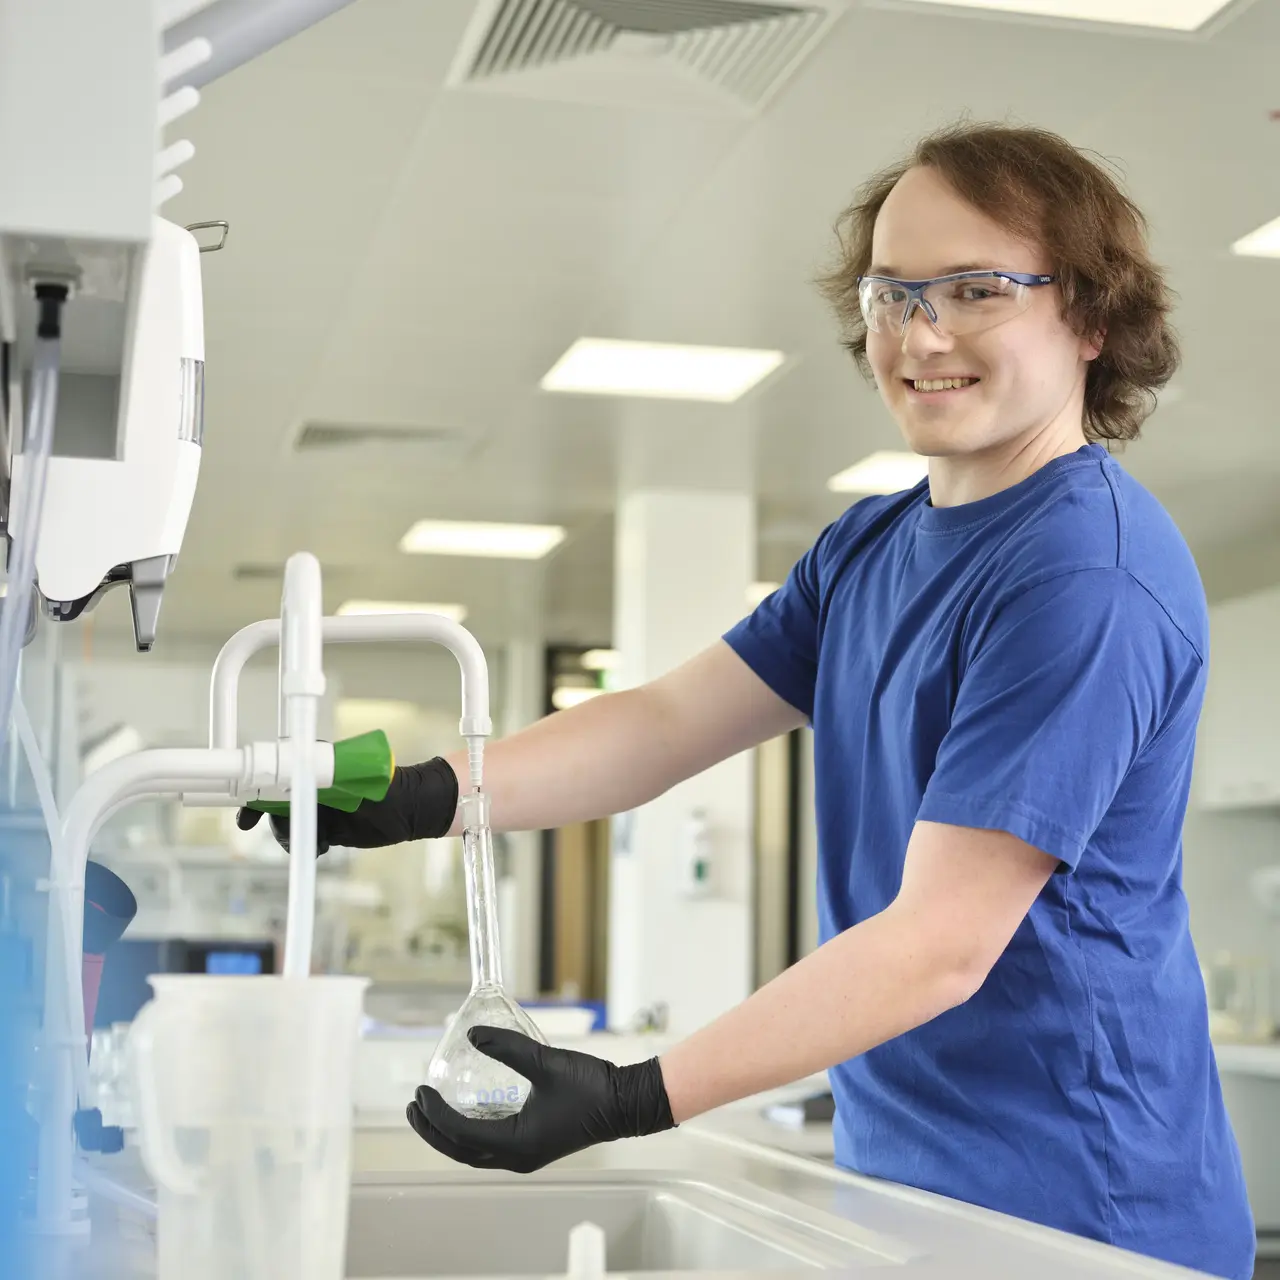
<point x="469" y="1081"/>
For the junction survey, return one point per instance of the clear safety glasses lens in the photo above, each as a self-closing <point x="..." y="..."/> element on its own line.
<point x="955" y="305"/>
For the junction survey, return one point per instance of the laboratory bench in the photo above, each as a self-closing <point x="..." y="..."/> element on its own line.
<point x="1250" y="1075"/>
<point x="729" y="1192"/>
<point x="410" y="1206"/>
<point x="1248" y="1058"/>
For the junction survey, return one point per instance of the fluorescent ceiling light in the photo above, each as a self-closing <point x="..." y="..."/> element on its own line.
<point x="1263" y="243"/>
<point x="601" y="660"/>
<point x="1167" y="15"/>
<point x="568" y="695"/>
<point x="467" y="538"/>
<point x="602" y="366"/>
<point x="759" y="592"/>
<point x="375" y="710"/>
<point x="883" y="472"/>
<point x="454" y="612"/>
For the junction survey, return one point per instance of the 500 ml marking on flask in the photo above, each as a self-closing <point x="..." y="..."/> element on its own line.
<point x="492" y="1097"/>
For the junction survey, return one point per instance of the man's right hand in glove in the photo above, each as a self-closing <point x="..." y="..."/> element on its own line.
<point x="419" y="805"/>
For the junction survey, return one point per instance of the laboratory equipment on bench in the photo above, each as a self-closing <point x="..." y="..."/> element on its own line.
<point x="243" y="1100"/>
<point x="295" y="768"/>
<point x="471" y="1082"/>
<point x="122" y="372"/>
<point x="159" y="772"/>
<point x="119" y="520"/>
<point x="468" y="1080"/>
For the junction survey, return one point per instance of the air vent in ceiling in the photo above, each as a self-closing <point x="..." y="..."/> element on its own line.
<point x="264" y="571"/>
<point x="333" y="435"/>
<point x="258" y="573"/>
<point x="743" y="51"/>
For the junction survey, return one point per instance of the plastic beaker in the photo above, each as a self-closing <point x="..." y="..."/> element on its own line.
<point x="470" y="1081"/>
<point x="243" y="1095"/>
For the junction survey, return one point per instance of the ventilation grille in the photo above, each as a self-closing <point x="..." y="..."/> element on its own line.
<point x="745" y="49"/>
<point x="336" y="435"/>
<point x="260" y="571"/>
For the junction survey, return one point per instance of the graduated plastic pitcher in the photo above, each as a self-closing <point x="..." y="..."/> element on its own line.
<point x="243" y="1095"/>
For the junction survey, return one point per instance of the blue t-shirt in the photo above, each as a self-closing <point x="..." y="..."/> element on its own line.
<point x="1034" y="663"/>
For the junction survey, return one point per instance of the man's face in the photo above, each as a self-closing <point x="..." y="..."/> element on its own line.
<point x="1030" y="369"/>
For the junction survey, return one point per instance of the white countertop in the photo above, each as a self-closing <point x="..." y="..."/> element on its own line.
<point x="925" y="1236"/>
<point x="1249" y="1059"/>
<point x="929" y="1234"/>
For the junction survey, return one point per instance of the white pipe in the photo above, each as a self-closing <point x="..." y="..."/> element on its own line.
<point x="177" y="105"/>
<point x="109" y="1188"/>
<point x="271" y="761"/>
<point x="301" y="688"/>
<point x="240" y="30"/>
<point x="64" y="1035"/>
<point x="36" y="763"/>
<point x="145" y="771"/>
<point x="24" y="528"/>
<point x="174" y="156"/>
<point x="171" y="12"/>
<point x="184" y="60"/>
<point x="225" y="683"/>
<point x="166" y="189"/>
<point x="359" y="629"/>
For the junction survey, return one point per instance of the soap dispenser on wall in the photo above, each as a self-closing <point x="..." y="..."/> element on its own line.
<point x="695" y="854"/>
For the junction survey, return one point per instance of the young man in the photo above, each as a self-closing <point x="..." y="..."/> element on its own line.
<point x="1003" y="668"/>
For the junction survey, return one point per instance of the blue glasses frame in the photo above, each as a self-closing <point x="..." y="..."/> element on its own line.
<point x="915" y="288"/>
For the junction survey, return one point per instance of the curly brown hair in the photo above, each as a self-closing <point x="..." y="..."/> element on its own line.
<point x="1038" y="186"/>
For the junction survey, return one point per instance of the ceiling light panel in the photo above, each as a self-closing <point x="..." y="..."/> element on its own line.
<point x="759" y="592"/>
<point x="1162" y="15"/>
<point x="883" y="472"/>
<point x="607" y="367"/>
<point x="566" y="695"/>
<point x="1263" y="243"/>
<point x="473" y="538"/>
<point x="352" y="608"/>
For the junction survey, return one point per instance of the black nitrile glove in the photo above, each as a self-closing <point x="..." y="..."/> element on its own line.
<point x="575" y="1101"/>
<point x="419" y="805"/>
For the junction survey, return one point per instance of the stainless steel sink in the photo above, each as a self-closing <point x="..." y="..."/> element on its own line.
<point x="495" y="1225"/>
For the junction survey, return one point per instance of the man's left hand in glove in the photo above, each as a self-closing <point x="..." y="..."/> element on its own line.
<point x="575" y="1101"/>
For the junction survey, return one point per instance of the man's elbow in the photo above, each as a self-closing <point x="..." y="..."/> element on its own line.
<point x="958" y="966"/>
<point x="962" y="979"/>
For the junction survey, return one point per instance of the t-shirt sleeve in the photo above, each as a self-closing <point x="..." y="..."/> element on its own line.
<point x="1068" y="685"/>
<point x="779" y="640"/>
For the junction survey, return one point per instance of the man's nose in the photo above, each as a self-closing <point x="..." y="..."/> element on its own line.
<point x="922" y="337"/>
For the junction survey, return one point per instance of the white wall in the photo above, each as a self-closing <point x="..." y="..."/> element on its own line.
<point x="1238" y="754"/>
<point x="683" y="561"/>
<point x="1239" y="567"/>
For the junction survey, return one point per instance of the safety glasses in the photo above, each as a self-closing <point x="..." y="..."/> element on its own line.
<point x="966" y="302"/>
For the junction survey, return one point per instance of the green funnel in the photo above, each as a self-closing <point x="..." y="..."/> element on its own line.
<point x="362" y="770"/>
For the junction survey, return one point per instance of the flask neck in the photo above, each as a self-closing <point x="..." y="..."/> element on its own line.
<point x="482" y="893"/>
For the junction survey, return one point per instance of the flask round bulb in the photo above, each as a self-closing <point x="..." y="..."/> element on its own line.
<point x="471" y="1082"/>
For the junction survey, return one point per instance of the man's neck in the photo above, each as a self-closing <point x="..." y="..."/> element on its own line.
<point x="957" y="480"/>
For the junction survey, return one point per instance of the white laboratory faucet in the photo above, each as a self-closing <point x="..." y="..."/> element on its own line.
<point x="223" y="773"/>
